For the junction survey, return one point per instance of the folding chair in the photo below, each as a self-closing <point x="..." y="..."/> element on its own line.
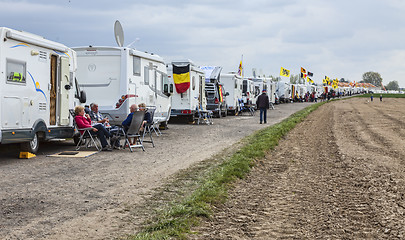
<point x="155" y="122"/>
<point x="148" y="128"/>
<point x="133" y="131"/>
<point x="204" y="116"/>
<point x="87" y="136"/>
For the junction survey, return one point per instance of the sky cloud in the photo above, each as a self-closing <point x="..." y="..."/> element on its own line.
<point x="340" y="39"/>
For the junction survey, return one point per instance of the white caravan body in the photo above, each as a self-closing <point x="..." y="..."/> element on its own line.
<point x="248" y="91"/>
<point x="117" y="77"/>
<point x="37" y="89"/>
<point x="186" y="104"/>
<point x="271" y="89"/>
<point x="283" y="91"/>
<point x="233" y="85"/>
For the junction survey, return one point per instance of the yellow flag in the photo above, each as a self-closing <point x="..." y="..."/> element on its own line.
<point x="284" y="72"/>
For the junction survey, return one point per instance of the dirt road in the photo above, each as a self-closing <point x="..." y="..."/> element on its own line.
<point x="89" y="198"/>
<point x="340" y="174"/>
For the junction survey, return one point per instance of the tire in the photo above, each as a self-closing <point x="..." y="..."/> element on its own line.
<point x="31" y="146"/>
<point x="226" y="112"/>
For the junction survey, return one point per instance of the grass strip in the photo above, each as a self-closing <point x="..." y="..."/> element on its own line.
<point x="385" y="95"/>
<point x="176" y="221"/>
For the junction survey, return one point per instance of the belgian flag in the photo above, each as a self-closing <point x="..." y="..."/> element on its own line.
<point x="181" y="78"/>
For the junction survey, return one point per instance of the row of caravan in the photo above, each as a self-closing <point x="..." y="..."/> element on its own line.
<point x="43" y="79"/>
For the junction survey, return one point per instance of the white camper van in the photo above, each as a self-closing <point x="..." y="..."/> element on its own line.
<point x="117" y="77"/>
<point x="283" y="91"/>
<point x="233" y="85"/>
<point x="184" y="105"/>
<point x="248" y="93"/>
<point x="37" y="89"/>
<point x="271" y="90"/>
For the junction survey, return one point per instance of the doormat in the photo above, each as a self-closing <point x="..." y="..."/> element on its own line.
<point x="74" y="154"/>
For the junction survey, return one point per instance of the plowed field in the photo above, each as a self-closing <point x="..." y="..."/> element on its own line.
<point x="340" y="174"/>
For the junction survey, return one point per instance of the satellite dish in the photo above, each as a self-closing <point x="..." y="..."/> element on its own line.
<point x="119" y="33"/>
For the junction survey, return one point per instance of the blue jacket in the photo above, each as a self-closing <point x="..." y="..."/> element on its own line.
<point x="128" y="120"/>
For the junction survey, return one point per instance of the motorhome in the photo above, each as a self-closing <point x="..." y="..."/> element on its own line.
<point x="271" y="90"/>
<point x="185" y="104"/>
<point x="215" y="91"/>
<point x="283" y="91"/>
<point x="37" y="89"/>
<point x="248" y="91"/>
<point x="117" y="77"/>
<point x="233" y="85"/>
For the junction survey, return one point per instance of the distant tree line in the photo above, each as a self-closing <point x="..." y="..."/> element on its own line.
<point x="376" y="79"/>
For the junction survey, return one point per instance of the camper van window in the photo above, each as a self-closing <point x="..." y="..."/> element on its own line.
<point x="15" y="72"/>
<point x="137" y="66"/>
<point x="244" y="86"/>
<point x="165" y="79"/>
<point x="146" y="75"/>
<point x="193" y="82"/>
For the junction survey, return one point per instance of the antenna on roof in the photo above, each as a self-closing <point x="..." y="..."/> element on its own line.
<point x="136" y="40"/>
<point x="119" y="33"/>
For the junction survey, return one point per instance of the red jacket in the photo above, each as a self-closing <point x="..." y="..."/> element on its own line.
<point x="82" y="122"/>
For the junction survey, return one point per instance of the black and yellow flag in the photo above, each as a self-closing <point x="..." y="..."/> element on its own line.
<point x="284" y="72"/>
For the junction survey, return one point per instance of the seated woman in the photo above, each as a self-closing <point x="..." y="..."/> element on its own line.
<point x="147" y="118"/>
<point x="83" y="121"/>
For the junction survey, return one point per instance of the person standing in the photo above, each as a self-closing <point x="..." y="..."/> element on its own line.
<point x="380" y="97"/>
<point x="262" y="103"/>
<point x="371" y="97"/>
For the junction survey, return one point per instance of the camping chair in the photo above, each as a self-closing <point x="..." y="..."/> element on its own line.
<point x="204" y="116"/>
<point x="148" y="128"/>
<point x="155" y="121"/>
<point x="87" y="136"/>
<point x="133" y="131"/>
<point x="245" y="108"/>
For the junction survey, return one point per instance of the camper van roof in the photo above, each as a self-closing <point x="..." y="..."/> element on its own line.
<point x="33" y="39"/>
<point x="188" y="61"/>
<point x="211" y="72"/>
<point x="132" y="51"/>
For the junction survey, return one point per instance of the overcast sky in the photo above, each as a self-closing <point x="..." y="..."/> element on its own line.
<point x="337" y="38"/>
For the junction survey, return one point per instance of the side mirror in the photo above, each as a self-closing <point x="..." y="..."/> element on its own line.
<point x="82" y="97"/>
<point x="227" y="94"/>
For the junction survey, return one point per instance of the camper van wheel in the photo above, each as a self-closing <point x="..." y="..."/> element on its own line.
<point x="219" y="113"/>
<point x="31" y="146"/>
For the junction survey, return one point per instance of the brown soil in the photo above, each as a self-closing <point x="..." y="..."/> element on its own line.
<point x="340" y="174"/>
<point x="109" y="194"/>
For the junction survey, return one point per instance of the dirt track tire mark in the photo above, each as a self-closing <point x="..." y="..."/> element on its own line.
<point x="321" y="194"/>
<point x="368" y="133"/>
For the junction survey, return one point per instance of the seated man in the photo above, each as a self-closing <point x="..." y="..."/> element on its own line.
<point x="128" y="121"/>
<point x="83" y="121"/>
<point x="96" y="116"/>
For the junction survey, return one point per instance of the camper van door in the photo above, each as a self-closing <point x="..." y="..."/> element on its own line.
<point x="64" y="88"/>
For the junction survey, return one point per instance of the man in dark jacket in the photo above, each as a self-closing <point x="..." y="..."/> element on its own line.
<point x="262" y="103"/>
